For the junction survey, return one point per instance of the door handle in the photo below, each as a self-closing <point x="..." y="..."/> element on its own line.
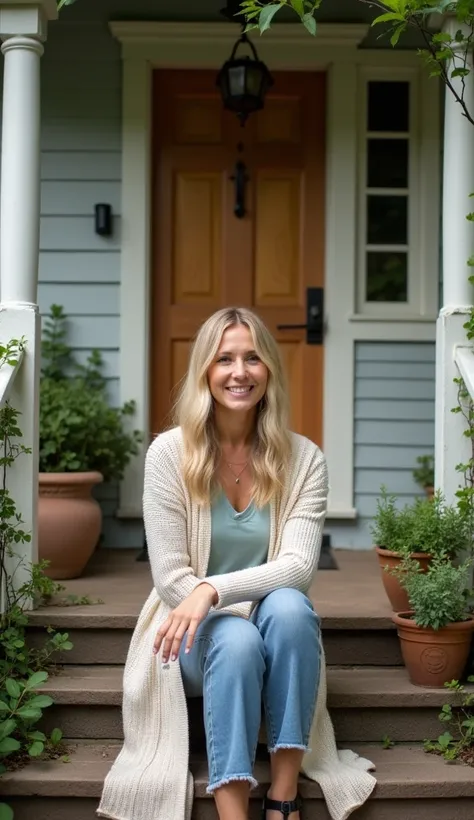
<point x="314" y="317"/>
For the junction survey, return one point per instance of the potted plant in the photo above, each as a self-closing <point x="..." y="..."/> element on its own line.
<point x="421" y="531"/>
<point x="423" y="474"/>
<point x="435" y="633"/>
<point x="83" y="441"/>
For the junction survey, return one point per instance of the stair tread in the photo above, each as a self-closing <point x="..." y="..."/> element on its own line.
<point x="404" y="771"/>
<point x="350" y="598"/>
<point x="348" y="687"/>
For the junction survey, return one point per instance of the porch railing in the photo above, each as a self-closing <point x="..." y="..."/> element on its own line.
<point x="8" y="373"/>
<point x="464" y="360"/>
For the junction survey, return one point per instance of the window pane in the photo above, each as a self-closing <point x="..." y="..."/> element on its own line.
<point x="387" y="277"/>
<point x="388" y="106"/>
<point x="387" y="163"/>
<point x="387" y="220"/>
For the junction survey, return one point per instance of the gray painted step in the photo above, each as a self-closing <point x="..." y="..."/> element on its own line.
<point x="366" y="704"/>
<point x="410" y="785"/>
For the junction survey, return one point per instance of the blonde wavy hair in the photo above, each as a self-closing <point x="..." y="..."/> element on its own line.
<point x="194" y="412"/>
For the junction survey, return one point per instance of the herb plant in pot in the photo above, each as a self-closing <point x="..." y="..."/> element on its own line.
<point x="435" y="633"/>
<point x="83" y="441"/>
<point x="423" y="474"/>
<point x="423" y="530"/>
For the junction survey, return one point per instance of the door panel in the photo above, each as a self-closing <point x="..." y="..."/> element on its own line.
<point x="204" y="257"/>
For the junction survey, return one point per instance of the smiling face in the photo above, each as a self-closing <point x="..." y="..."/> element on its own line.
<point x="237" y="377"/>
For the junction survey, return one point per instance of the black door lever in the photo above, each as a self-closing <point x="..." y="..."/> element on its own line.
<point x="314" y="317"/>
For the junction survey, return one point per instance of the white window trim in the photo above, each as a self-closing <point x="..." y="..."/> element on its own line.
<point x="422" y="299"/>
<point x="147" y="45"/>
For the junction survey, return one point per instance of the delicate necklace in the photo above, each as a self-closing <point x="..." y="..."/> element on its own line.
<point x="237" y="477"/>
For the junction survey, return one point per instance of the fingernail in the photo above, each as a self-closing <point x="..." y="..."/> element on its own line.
<point x="155" y="651"/>
<point x="187" y="651"/>
<point x="173" y="657"/>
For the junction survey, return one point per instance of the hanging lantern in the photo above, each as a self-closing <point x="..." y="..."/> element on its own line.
<point x="244" y="81"/>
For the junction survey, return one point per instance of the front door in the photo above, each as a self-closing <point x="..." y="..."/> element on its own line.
<point x="247" y="235"/>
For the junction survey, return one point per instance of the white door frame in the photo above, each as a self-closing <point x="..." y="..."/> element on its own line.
<point x="149" y="45"/>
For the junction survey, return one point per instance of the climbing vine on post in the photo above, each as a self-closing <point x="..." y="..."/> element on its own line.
<point x="23" y="668"/>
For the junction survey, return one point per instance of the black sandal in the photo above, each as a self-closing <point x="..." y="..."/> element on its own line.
<point x="286" y="806"/>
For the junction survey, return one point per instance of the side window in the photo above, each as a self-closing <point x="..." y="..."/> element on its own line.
<point x="387" y="210"/>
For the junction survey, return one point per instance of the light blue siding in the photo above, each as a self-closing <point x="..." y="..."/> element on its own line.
<point x="393" y="424"/>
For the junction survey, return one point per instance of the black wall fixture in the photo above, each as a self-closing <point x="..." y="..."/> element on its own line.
<point x="103" y="219"/>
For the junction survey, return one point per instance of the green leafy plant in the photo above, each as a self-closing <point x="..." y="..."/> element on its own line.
<point x="23" y="668"/>
<point x="79" y="430"/>
<point x="423" y="474"/>
<point x="458" y="715"/>
<point x="387" y="743"/>
<point x="427" y="526"/>
<point x="439" y="596"/>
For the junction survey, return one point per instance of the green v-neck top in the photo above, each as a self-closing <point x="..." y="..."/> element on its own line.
<point x="239" y="540"/>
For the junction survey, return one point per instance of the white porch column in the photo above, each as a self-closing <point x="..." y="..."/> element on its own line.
<point x="451" y="447"/>
<point x="22" y="30"/>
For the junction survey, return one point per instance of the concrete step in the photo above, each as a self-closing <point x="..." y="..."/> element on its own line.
<point x="366" y="703"/>
<point x="410" y="785"/>
<point x="101" y="635"/>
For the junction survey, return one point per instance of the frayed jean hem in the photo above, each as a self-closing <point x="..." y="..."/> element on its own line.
<point x="279" y="746"/>
<point x="233" y="778"/>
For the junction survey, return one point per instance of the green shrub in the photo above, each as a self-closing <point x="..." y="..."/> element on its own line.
<point x="439" y="596"/>
<point x="79" y="430"/>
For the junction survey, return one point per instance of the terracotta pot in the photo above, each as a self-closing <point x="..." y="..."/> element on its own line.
<point x="429" y="491"/>
<point x="433" y="657"/>
<point x="69" y="522"/>
<point x="395" y="593"/>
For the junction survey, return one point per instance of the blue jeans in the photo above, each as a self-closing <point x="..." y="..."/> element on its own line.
<point x="235" y="663"/>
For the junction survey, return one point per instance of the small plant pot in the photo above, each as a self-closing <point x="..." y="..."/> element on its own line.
<point x="433" y="657"/>
<point x="429" y="491"/>
<point x="389" y="561"/>
<point x="69" y="522"/>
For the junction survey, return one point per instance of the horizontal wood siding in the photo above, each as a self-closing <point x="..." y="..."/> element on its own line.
<point x="393" y="424"/>
<point x="81" y="166"/>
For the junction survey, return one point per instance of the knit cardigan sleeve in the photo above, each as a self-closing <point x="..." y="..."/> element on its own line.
<point x="298" y="556"/>
<point x="164" y="514"/>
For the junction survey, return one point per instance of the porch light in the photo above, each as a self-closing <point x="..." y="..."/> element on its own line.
<point x="244" y="81"/>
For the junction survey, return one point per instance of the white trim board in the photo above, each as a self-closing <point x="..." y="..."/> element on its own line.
<point x="147" y="45"/>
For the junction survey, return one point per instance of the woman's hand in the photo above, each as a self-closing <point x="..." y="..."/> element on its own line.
<point x="185" y="618"/>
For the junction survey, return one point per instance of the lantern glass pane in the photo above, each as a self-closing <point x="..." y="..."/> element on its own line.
<point x="236" y="76"/>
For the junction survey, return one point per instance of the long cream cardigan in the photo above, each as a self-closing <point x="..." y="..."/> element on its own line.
<point x="150" y="778"/>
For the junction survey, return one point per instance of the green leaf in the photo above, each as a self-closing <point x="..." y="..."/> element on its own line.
<point x="37" y="736"/>
<point x="36" y="749"/>
<point x="6" y="813"/>
<point x="460" y="72"/>
<point x="4" y="707"/>
<point x="9" y="744"/>
<point x="7" y="727"/>
<point x="40" y="702"/>
<point x="309" y="23"/>
<point x="266" y="16"/>
<point x="388" y="17"/>
<point x="36" y="680"/>
<point x="12" y="688"/>
<point x="56" y="736"/>
<point x="298" y="6"/>
<point x="396" y="34"/>
<point x="27" y="713"/>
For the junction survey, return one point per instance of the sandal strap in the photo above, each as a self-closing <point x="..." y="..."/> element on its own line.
<point x="286" y="807"/>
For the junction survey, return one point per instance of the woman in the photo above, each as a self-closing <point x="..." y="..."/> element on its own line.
<point x="234" y="507"/>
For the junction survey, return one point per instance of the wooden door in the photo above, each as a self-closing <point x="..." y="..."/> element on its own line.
<point x="205" y="258"/>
